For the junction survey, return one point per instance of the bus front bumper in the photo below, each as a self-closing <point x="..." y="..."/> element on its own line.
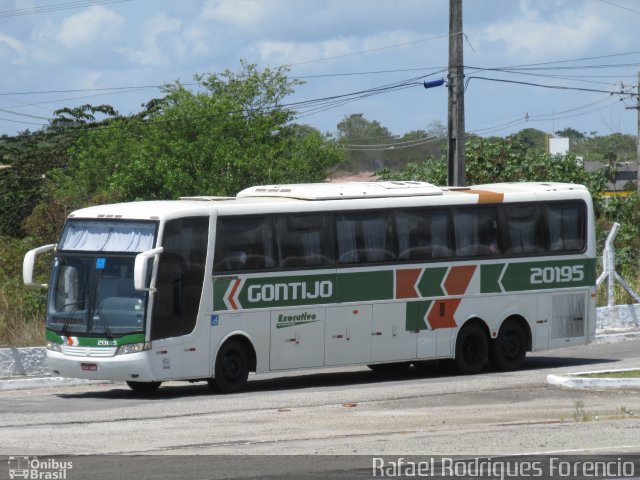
<point x="129" y="367"/>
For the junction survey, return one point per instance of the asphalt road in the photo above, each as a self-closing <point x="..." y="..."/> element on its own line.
<point x="339" y="412"/>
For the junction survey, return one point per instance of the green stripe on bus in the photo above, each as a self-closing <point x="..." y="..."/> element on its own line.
<point x="245" y="293"/>
<point x="365" y="286"/>
<point x="220" y="287"/>
<point x="431" y="281"/>
<point x="94" y="341"/>
<point x="489" y="276"/>
<point x="260" y="292"/>
<point x="416" y="315"/>
<point x="548" y="275"/>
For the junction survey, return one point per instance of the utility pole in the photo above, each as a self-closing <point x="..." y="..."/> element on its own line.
<point x="638" y="137"/>
<point x="456" y="163"/>
<point x="636" y="107"/>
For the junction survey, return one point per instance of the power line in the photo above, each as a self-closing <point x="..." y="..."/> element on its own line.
<point x="394" y="147"/>
<point x="393" y="144"/>
<point x="555" y="87"/>
<point x="620" y="6"/>
<point x="386" y="47"/>
<point x="57" y="7"/>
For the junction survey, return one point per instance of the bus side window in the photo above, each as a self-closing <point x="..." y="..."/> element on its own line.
<point x="523" y="232"/>
<point x="305" y="240"/>
<point x="422" y="234"/>
<point x="476" y="231"/>
<point x="565" y="226"/>
<point x="364" y="237"/>
<point x="244" y="243"/>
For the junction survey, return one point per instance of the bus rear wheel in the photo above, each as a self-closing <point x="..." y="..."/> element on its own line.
<point x="472" y="349"/>
<point x="509" y="349"/>
<point x="144" y="387"/>
<point x="232" y="368"/>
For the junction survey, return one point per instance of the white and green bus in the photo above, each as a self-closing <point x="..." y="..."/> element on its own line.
<point x="284" y="277"/>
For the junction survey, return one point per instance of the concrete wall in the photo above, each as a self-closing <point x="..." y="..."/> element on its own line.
<point x="620" y="317"/>
<point x="22" y="361"/>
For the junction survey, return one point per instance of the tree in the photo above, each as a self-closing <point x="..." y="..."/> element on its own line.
<point x="531" y="138"/>
<point x="492" y="160"/>
<point x="232" y="132"/>
<point x="572" y="134"/>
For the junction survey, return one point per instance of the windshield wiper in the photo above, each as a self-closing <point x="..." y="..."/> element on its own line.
<point x="70" y="314"/>
<point x="97" y="315"/>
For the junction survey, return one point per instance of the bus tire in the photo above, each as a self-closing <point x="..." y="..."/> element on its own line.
<point x="232" y="368"/>
<point x="472" y="349"/>
<point x="389" y="368"/>
<point x="144" y="387"/>
<point x="508" y="350"/>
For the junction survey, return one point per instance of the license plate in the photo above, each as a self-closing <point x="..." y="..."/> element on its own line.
<point x="90" y="367"/>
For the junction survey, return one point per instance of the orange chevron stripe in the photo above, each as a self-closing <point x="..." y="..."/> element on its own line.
<point x="232" y="294"/>
<point x="442" y="312"/>
<point x="458" y="279"/>
<point x="406" y="283"/>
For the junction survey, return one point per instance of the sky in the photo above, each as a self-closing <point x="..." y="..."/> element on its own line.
<point x="62" y="53"/>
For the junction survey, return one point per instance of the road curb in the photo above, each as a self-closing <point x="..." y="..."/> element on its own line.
<point x="613" y="337"/>
<point x="573" y="380"/>
<point x="26" y="383"/>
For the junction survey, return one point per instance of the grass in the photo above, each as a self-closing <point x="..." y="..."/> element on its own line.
<point x="580" y="414"/>
<point x="625" y="374"/>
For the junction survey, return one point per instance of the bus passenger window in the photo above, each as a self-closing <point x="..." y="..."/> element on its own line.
<point x="523" y="231"/>
<point x="364" y="237"/>
<point x="565" y="224"/>
<point x="244" y="243"/>
<point x="476" y="231"/>
<point x="422" y="234"/>
<point x="305" y="240"/>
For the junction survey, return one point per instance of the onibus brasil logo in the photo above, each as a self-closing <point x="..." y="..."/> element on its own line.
<point x="33" y="468"/>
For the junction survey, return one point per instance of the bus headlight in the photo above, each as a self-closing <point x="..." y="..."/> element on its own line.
<point x="134" y="348"/>
<point x="54" y="347"/>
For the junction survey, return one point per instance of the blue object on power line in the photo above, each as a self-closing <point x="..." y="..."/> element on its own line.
<point x="434" y="83"/>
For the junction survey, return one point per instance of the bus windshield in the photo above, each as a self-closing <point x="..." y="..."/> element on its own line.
<point x="92" y="291"/>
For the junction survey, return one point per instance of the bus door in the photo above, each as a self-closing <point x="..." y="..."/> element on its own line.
<point x="182" y="350"/>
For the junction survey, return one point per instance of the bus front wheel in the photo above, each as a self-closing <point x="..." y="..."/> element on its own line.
<point x="144" y="387"/>
<point x="508" y="350"/>
<point x="472" y="349"/>
<point x="232" y="368"/>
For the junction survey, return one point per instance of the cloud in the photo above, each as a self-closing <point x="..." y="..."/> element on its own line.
<point x="15" y="45"/>
<point x="239" y="13"/>
<point x="353" y="48"/>
<point x="536" y="36"/>
<point x="316" y="20"/>
<point x="160" y="40"/>
<point x="95" y="24"/>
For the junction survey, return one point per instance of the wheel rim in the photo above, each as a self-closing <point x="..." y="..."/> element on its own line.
<point x="232" y="367"/>
<point x="511" y="346"/>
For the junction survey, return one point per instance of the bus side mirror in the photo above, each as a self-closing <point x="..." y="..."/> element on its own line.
<point x="29" y="263"/>
<point x="141" y="269"/>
